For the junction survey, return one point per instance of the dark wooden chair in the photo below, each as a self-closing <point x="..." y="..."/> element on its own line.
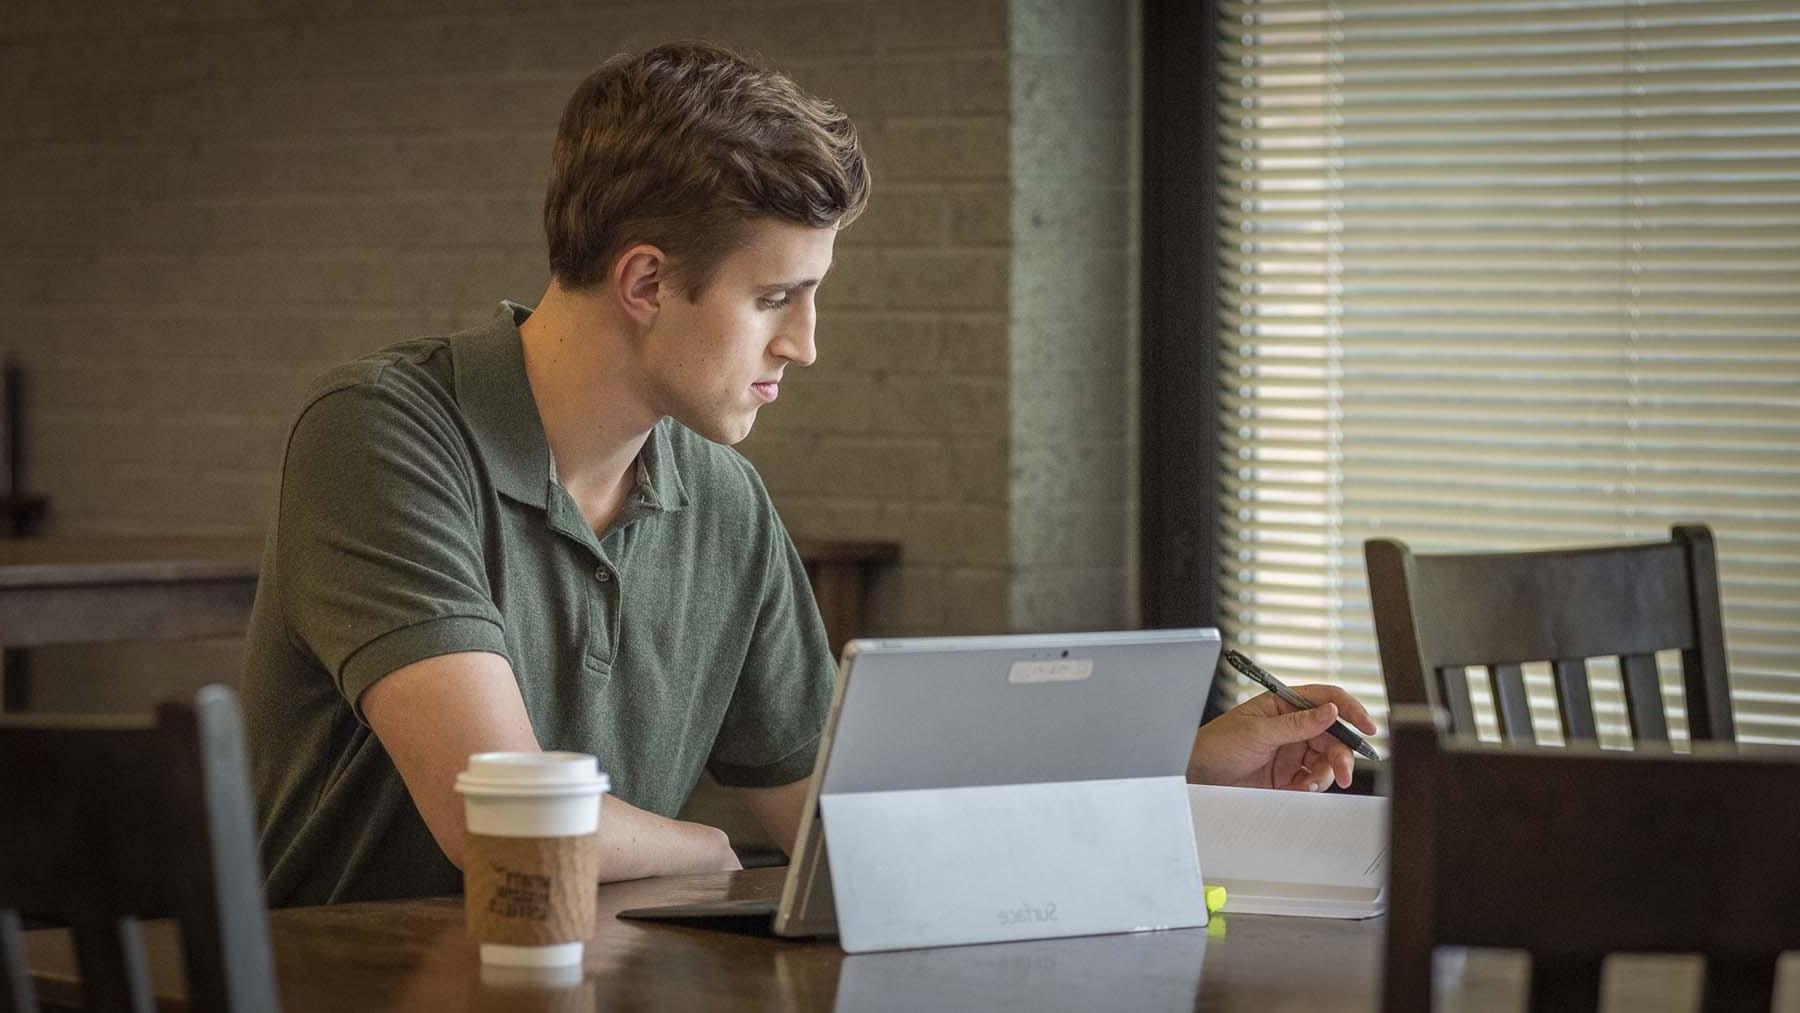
<point x="20" y="515"/>
<point x="20" y="512"/>
<point x="1573" y="853"/>
<point x="1435" y="615"/>
<point x="109" y="820"/>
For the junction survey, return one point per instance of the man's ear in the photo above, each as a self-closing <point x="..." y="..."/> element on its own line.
<point x="640" y="281"/>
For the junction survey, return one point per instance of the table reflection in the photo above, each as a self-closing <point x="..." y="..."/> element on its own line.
<point x="1159" y="970"/>
<point x="534" y="990"/>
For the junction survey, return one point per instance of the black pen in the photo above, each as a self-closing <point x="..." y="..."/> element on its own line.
<point x="1339" y="730"/>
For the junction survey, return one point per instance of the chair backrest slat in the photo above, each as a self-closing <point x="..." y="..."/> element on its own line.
<point x="1643" y="700"/>
<point x="1453" y="683"/>
<point x="15" y="976"/>
<point x="1574" y="703"/>
<point x="1561" y="981"/>
<point x="1736" y="981"/>
<point x="114" y="972"/>
<point x="1508" y="682"/>
<point x="226" y="915"/>
<point x="1436" y="613"/>
<point x="109" y="821"/>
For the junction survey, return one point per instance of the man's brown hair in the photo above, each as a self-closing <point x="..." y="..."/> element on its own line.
<point x="682" y="146"/>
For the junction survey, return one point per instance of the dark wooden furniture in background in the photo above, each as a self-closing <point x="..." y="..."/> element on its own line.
<point x="115" y="589"/>
<point x="411" y="956"/>
<point x="1437" y="614"/>
<point x="108" y="821"/>
<point x="99" y="590"/>
<point x="841" y="573"/>
<point x="20" y="512"/>
<point x="1573" y="853"/>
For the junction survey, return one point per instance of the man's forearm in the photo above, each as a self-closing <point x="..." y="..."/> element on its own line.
<point x="635" y="844"/>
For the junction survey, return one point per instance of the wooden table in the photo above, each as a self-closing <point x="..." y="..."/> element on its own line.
<point x="112" y="589"/>
<point x="411" y="955"/>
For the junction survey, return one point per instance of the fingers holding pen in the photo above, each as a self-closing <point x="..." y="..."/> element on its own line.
<point x="1349" y="708"/>
<point x="1342" y="762"/>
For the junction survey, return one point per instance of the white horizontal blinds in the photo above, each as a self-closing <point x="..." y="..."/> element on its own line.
<point x="1506" y="275"/>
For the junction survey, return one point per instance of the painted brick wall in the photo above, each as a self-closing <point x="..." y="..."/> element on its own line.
<point x="204" y="203"/>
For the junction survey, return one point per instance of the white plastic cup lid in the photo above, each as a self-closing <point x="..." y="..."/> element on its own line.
<point x="533" y="774"/>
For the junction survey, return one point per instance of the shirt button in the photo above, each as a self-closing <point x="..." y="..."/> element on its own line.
<point x="601" y="575"/>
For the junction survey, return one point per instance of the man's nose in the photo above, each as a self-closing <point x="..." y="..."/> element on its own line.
<point x="795" y="343"/>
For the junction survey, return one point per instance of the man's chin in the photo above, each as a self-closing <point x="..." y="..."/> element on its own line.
<point x="728" y="432"/>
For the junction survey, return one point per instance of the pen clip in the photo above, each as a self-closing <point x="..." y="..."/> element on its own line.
<point x="1248" y="668"/>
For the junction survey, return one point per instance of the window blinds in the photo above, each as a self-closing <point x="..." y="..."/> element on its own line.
<point x="1505" y="275"/>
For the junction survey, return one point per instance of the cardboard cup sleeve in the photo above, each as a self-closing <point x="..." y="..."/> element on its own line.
<point x="530" y="891"/>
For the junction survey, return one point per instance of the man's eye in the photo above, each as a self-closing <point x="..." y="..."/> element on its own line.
<point x="769" y="303"/>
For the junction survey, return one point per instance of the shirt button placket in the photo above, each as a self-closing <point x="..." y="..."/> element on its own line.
<point x="604" y="646"/>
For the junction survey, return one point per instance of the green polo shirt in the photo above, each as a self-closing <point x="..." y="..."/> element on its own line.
<point x="420" y="515"/>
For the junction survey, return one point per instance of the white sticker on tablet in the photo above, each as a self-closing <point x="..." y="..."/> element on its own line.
<point x="1062" y="670"/>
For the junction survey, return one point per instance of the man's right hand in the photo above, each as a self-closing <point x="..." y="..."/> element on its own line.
<point x="432" y="714"/>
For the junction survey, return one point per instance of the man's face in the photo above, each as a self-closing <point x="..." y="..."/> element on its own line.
<point x="714" y="362"/>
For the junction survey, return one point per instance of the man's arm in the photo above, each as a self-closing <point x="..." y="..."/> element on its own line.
<point x="778" y="809"/>
<point x="432" y="714"/>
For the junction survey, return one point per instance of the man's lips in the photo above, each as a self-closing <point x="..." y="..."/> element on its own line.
<point x="768" y="390"/>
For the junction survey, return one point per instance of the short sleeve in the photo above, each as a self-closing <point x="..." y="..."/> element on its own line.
<point x="378" y="545"/>
<point x="772" y="727"/>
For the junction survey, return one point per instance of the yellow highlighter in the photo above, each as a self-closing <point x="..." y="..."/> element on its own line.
<point x="1215" y="899"/>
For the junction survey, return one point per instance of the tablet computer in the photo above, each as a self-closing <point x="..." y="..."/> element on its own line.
<point x="973" y="789"/>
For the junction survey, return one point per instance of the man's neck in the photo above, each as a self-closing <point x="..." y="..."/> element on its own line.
<point x="590" y="397"/>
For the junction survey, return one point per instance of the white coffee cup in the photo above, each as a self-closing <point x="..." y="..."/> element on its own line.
<point x="550" y="797"/>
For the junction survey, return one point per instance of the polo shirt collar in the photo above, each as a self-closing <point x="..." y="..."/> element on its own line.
<point x="495" y="397"/>
<point x="658" y="479"/>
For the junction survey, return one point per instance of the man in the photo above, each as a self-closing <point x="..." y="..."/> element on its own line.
<point x="533" y="534"/>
